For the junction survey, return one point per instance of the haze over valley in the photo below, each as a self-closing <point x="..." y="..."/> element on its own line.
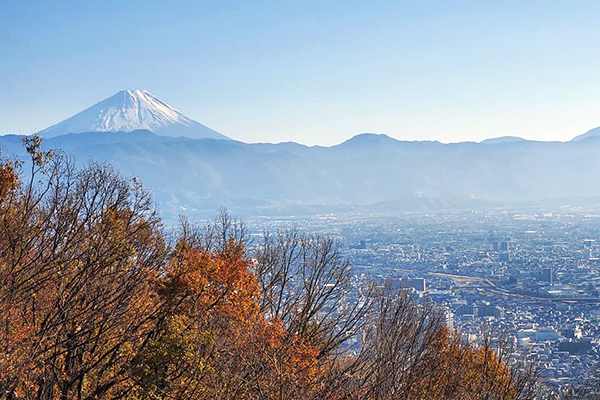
<point x="192" y="169"/>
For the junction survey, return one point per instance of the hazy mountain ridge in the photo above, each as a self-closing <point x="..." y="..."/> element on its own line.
<point x="592" y="133"/>
<point x="502" y="139"/>
<point x="203" y="174"/>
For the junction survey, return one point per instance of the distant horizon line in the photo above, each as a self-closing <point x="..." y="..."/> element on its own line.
<point x="499" y="139"/>
<point x="135" y="92"/>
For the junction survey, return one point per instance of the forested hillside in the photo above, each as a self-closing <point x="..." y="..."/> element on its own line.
<point x="100" y="302"/>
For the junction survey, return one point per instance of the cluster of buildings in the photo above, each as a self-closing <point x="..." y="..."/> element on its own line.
<point x="529" y="280"/>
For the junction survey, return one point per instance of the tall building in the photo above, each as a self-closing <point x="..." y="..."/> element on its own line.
<point x="449" y="319"/>
<point x="467" y="310"/>
<point x="548" y="275"/>
<point x="418" y="284"/>
<point x="491" y="311"/>
<point x="482" y="310"/>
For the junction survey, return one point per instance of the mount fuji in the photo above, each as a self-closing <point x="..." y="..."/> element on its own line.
<point x="131" y="110"/>
<point x="186" y="169"/>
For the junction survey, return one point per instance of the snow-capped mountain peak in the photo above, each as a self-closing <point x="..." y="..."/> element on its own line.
<point x="130" y="110"/>
<point x="136" y="109"/>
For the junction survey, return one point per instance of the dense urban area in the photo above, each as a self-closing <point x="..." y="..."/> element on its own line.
<point x="527" y="277"/>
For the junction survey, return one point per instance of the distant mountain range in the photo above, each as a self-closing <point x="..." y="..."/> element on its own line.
<point x="369" y="171"/>
<point x="205" y="170"/>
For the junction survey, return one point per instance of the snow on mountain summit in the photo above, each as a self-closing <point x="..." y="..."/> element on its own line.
<point x="130" y="110"/>
<point x="135" y="109"/>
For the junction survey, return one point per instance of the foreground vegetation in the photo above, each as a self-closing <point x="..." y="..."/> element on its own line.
<point x="99" y="303"/>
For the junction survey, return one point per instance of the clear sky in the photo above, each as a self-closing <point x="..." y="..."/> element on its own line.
<point x="315" y="72"/>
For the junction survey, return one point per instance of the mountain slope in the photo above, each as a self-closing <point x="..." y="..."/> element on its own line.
<point x="131" y="110"/>
<point x="200" y="175"/>
<point x="502" y="139"/>
<point x="592" y="133"/>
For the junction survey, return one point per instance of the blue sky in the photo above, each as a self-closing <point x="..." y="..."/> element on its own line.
<point x="315" y="72"/>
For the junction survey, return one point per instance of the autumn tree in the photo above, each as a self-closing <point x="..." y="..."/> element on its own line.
<point x="99" y="303"/>
<point x="211" y="340"/>
<point x="305" y="283"/>
<point x="75" y="245"/>
<point x="408" y="353"/>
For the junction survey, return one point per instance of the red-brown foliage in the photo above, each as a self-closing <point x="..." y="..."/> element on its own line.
<point x="96" y="304"/>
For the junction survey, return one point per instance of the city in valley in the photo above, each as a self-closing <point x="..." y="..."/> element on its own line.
<point x="529" y="278"/>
